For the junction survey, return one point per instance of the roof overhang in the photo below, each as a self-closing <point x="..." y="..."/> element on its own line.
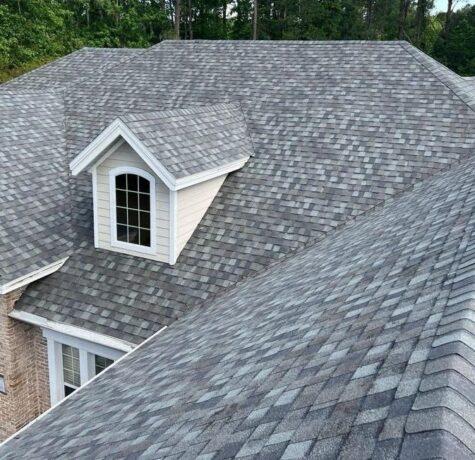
<point x="118" y="129"/>
<point x="73" y="331"/>
<point x="32" y="276"/>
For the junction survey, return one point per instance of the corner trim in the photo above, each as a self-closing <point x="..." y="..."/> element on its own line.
<point x="32" y="276"/>
<point x="73" y="331"/>
<point x="173" y="226"/>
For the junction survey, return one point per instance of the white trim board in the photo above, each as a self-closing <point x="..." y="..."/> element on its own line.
<point x="33" y="276"/>
<point x="173" y="226"/>
<point x="117" y="129"/>
<point x="73" y="331"/>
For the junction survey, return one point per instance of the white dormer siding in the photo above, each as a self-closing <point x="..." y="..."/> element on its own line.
<point x="125" y="157"/>
<point x="192" y="204"/>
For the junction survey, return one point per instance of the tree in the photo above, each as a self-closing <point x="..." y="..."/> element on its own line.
<point x="177" y="19"/>
<point x="456" y="48"/>
<point x="254" y="22"/>
<point x="403" y="10"/>
<point x="35" y="31"/>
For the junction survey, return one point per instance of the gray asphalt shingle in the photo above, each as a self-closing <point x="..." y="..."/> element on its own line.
<point x="337" y="128"/>
<point x="275" y="376"/>
<point x="191" y="141"/>
<point x="35" y="214"/>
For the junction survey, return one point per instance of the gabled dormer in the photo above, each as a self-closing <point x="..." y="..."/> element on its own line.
<point x="155" y="174"/>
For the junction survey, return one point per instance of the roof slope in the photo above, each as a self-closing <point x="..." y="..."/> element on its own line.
<point x="190" y="141"/>
<point x="452" y="80"/>
<point x="82" y="64"/>
<point x="360" y="345"/>
<point x="184" y="142"/>
<point x="34" y="205"/>
<point x="471" y="82"/>
<point x="337" y="128"/>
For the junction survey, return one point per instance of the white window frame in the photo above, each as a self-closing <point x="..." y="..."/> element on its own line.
<point x="113" y="173"/>
<point x="87" y="352"/>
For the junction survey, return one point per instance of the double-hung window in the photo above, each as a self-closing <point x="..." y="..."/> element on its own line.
<point x="72" y="362"/>
<point x="132" y="209"/>
<point x="71" y="369"/>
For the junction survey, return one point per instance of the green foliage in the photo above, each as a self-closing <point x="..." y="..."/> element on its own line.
<point x="33" y="32"/>
<point x="456" y="47"/>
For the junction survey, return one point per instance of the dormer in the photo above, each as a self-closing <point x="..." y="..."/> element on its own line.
<point x="155" y="174"/>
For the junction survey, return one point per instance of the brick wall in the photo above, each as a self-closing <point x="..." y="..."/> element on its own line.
<point x="24" y="365"/>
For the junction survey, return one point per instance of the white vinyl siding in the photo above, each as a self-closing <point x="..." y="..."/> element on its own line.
<point x="125" y="156"/>
<point x="192" y="204"/>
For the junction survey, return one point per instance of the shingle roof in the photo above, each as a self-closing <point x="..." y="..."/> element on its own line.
<point x="34" y="204"/>
<point x="190" y="141"/>
<point x="359" y="346"/>
<point x="80" y="65"/>
<point x="471" y="82"/>
<point x="337" y="128"/>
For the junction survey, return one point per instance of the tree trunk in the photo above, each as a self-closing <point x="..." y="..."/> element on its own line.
<point x="225" y="24"/>
<point x="190" y="20"/>
<point x="369" y="14"/>
<point x="177" y="19"/>
<point x="448" y="16"/>
<point x="421" y="11"/>
<point x="403" y="10"/>
<point x="254" y="22"/>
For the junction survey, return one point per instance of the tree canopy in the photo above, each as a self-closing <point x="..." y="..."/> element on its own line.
<point x="33" y="32"/>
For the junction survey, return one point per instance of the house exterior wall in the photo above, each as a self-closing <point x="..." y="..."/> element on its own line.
<point x="192" y="204"/>
<point x="125" y="156"/>
<point x="24" y="365"/>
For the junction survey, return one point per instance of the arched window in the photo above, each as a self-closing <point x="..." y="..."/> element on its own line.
<point x="132" y="207"/>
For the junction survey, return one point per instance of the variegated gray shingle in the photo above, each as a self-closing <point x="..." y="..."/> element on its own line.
<point x="337" y="128"/>
<point x="191" y="141"/>
<point x="359" y="346"/>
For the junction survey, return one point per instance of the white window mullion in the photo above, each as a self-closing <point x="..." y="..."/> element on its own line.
<point x="91" y="366"/>
<point x="84" y="366"/>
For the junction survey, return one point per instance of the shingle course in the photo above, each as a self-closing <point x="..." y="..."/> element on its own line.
<point x="191" y="141"/>
<point x="337" y="128"/>
<point x="35" y="216"/>
<point x="203" y="356"/>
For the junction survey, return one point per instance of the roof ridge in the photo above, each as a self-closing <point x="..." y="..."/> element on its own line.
<point x="439" y="391"/>
<point x="207" y="108"/>
<point x="295" y="42"/>
<point x="438" y="70"/>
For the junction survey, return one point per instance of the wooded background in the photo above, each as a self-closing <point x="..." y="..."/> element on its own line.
<point x="33" y="32"/>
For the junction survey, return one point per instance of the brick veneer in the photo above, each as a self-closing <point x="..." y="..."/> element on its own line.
<point x="24" y="364"/>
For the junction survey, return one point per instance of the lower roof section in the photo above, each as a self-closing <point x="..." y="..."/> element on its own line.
<point x="359" y="346"/>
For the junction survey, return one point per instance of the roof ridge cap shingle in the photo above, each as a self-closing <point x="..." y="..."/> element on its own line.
<point x="459" y="88"/>
<point x="282" y="42"/>
<point x="442" y="403"/>
<point x="208" y="108"/>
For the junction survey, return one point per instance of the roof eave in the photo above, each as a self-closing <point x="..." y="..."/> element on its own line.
<point x="32" y="276"/>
